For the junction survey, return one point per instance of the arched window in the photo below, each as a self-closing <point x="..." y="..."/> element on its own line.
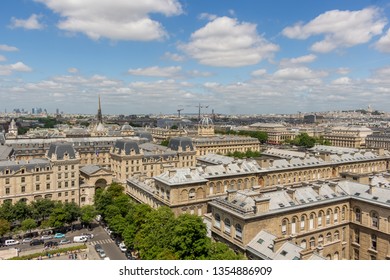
<point x="373" y="242"/>
<point x="303" y="244"/>
<point x="336" y="235"/>
<point x="311" y="221"/>
<point x="284" y="226"/>
<point x="320" y="240"/>
<point x="191" y="194"/>
<point x="217" y="220"/>
<point x="294" y="225"/>
<point x="336" y="256"/>
<point x="358" y="215"/>
<point x="374" y="219"/>
<point x="319" y="220"/>
<point x="328" y="237"/>
<point x="312" y="242"/>
<point x="336" y="215"/>
<point x="328" y="214"/>
<point x="238" y="231"/>
<point x="227" y="226"/>
<point x="303" y="219"/>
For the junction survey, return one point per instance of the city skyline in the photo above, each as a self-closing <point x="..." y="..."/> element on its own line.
<point x="236" y="57"/>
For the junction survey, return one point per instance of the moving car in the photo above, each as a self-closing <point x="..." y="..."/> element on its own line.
<point x="26" y="240"/>
<point x="35" y="242"/>
<point x="101" y="253"/>
<point x="80" y="239"/>
<point x="51" y="244"/>
<point x="88" y="235"/>
<point x="64" y="241"/>
<point x="98" y="247"/>
<point x="59" y="235"/>
<point x="11" y="242"/>
<point x="45" y="237"/>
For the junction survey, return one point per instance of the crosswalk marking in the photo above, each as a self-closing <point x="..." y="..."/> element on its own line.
<point x="103" y="241"/>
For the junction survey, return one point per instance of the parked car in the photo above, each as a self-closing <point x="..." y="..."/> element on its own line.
<point x="51" y="244"/>
<point x="129" y="256"/>
<point x="122" y="247"/>
<point x="26" y="240"/>
<point x="46" y="237"/>
<point x="98" y="247"/>
<point x="64" y="241"/>
<point x="36" y="242"/>
<point x="88" y="235"/>
<point x="11" y="242"/>
<point x="59" y="235"/>
<point x="80" y="239"/>
<point x="101" y="253"/>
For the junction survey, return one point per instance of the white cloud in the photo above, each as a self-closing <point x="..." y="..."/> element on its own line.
<point x="31" y="23"/>
<point x="156" y="71"/>
<point x="342" y="81"/>
<point x="207" y="16"/>
<point x="7" y="48"/>
<point x="343" y="70"/>
<point x="226" y="42"/>
<point x="114" y="19"/>
<point x="259" y="72"/>
<point x="299" y="73"/>
<point x="383" y="43"/>
<point x="73" y="70"/>
<point x="3" y="58"/>
<point x="6" y="70"/>
<point x="298" y="60"/>
<point x="342" y="29"/>
<point x="173" y="56"/>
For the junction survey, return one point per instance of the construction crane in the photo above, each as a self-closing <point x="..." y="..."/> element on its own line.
<point x="178" y="111"/>
<point x="200" y="106"/>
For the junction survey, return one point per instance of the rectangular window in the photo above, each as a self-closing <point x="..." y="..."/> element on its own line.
<point x="37" y="178"/>
<point x="72" y="192"/>
<point x="311" y="223"/>
<point x="48" y="186"/>
<point x="66" y="193"/>
<point x="48" y="177"/>
<point x="319" y="221"/>
<point x="59" y="194"/>
<point x="23" y="189"/>
<point x="23" y="179"/>
<point x="7" y="180"/>
<point x="37" y="187"/>
<point x="357" y="235"/>
<point x="66" y="184"/>
<point x="59" y="176"/>
<point x="7" y="191"/>
<point x="335" y="217"/>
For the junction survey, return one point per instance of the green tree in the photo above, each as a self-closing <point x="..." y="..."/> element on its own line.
<point x="155" y="236"/>
<point x="304" y="140"/>
<point x="123" y="203"/>
<point x="165" y="142"/>
<point x="110" y="212"/>
<point x="22" y="211"/>
<point x="220" y="251"/>
<point x="135" y="218"/>
<point x="190" y="241"/>
<point x="87" y="214"/>
<point x="73" y="211"/>
<point x="5" y="227"/>
<point x="42" y="208"/>
<point x="118" y="224"/>
<point x="59" y="216"/>
<point x="7" y="211"/>
<point x="28" y="224"/>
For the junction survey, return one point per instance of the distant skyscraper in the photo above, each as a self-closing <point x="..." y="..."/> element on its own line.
<point x="57" y="111"/>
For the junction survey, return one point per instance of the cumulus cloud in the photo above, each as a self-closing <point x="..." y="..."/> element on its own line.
<point x="342" y="81"/>
<point x="73" y="70"/>
<point x="3" y="58"/>
<point x="343" y="70"/>
<point x="6" y="70"/>
<point x="114" y="19"/>
<point x="173" y="56"/>
<point x="226" y="42"/>
<point x="298" y="60"/>
<point x="383" y="43"/>
<point x="299" y="73"/>
<point x="207" y="16"/>
<point x="342" y="29"/>
<point x="7" y="48"/>
<point x="259" y="72"/>
<point x="156" y="71"/>
<point x="31" y="23"/>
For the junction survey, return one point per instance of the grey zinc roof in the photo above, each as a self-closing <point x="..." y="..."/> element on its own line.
<point x="15" y="166"/>
<point x="181" y="176"/>
<point x="90" y="169"/>
<point x="5" y="152"/>
<point x="215" y="159"/>
<point x="183" y="142"/>
<point x="127" y="146"/>
<point x="144" y="134"/>
<point x="60" y="149"/>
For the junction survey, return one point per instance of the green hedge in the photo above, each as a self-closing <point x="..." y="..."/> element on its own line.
<point x="51" y="252"/>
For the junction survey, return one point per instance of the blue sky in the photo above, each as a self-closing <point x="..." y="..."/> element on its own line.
<point x="155" y="56"/>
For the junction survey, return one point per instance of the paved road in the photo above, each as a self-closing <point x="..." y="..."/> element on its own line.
<point x="100" y="237"/>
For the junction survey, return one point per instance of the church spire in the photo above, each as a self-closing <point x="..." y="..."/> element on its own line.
<point x="99" y="114"/>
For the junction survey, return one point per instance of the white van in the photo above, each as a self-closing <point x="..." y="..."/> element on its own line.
<point x="80" y="239"/>
<point x="11" y="242"/>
